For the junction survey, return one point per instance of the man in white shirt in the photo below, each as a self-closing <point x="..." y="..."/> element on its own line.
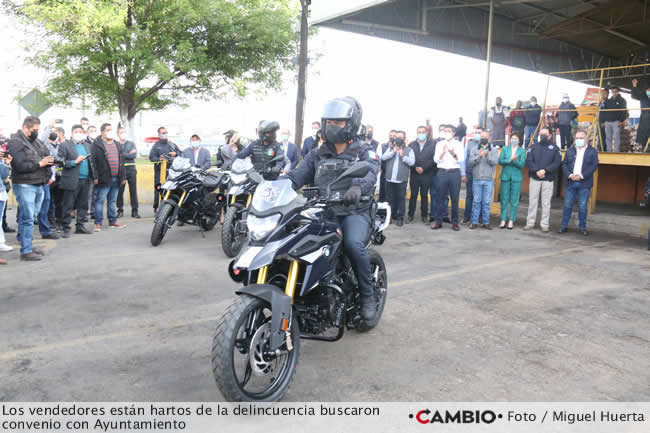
<point x="448" y="156"/>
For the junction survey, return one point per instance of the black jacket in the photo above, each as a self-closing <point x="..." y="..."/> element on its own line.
<point x="614" y="104"/>
<point x="159" y="148"/>
<point x="643" y="133"/>
<point x="424" y="158"/>
<point x="25" y="168"/>
<point x="126" y="148"/>
<point x="101" y="168"/>
<point x="70" y="176"/>
<point x="545" y="156"/>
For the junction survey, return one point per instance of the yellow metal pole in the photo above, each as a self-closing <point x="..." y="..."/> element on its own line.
<point x="613" y="68"/>
<point x="594" y="194"/>
<point x="597" y="118"/>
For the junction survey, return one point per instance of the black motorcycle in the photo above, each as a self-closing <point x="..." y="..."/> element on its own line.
<point x="189" y="196"/>
<point x="299" y="283"/>
<point x="243" y="183"/>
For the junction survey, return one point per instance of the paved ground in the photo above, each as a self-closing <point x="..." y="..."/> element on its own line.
<point x="475" y="315"/>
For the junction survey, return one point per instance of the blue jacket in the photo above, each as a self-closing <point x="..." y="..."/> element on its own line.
<point x="292" y="154"/>
<point x="589" y="166"/>
<point x="543" y="156"/>
<point x="4" y="173"/>
<point x="203" y="160"/>
<point x="566" y="117"/>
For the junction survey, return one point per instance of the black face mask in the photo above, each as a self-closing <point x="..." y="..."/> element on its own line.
<point x="543" y="138"/>
<point x="53" y="136"/>
<point x="335" y="134"/>
<point x="484" y="141"/>
<point x="369" y="135"/>
<point x="399" y="142"/>
<point x="33" y="136"/>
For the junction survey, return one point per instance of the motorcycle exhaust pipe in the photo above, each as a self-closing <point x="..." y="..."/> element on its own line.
<point x="237" y="275"/>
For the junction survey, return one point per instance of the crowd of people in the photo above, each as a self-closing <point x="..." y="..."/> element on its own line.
<point x="56" y="179"/>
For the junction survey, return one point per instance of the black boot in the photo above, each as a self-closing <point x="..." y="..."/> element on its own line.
<point x="135" y="214"/>
<point x="120" y="213"/>
<point x="368" y="308"/>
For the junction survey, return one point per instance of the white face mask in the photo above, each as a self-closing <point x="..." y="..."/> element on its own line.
<point x="78" y="137"/>
<point x="314" y="132"/>
<point x="122" y="136"/>
<point x="580" y="142"/>
<point x="447" y="135"/>
<point x="196" y="144"/>
<point x="110" y="135"/>
<point x="565" y="99"/>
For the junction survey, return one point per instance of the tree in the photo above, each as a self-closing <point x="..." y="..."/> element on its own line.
<point x="134" y="55"/>
<point x="302" y="72"/>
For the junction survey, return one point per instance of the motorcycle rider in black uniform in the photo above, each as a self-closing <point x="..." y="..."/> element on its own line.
<point x="341" y="149"/>
<point x="265" y="149"/>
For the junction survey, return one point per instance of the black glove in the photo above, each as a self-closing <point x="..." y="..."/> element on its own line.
<point x="276" y="170"/>
<point x="352" y="196"/>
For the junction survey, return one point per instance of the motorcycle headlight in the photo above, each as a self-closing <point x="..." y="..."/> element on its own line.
<point x="174" y="174"/>
<point x="238" y="178"/>
<point x="169" y="185"/>
<point x="259" y="228"/>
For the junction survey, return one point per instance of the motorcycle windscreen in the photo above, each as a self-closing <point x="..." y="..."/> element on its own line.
<point x="242" y="165"/>
<point x="181" y="164"/>
<point x="272" y="194"/>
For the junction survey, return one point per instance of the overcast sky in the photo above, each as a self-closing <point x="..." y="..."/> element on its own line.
<point x="399" y="86"/>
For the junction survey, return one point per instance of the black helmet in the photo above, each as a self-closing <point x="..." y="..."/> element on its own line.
<point x="347" y="109"/>
<point x="268" y="127"/>
<point x="363" y="131"/>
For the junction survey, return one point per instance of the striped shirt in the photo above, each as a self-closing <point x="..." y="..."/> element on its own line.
<point x="113" y="157"/>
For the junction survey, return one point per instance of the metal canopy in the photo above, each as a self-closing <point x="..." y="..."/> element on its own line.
<point x="538" y="35"/>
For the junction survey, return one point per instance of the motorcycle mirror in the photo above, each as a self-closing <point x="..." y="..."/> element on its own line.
<point x="256" y="177"/>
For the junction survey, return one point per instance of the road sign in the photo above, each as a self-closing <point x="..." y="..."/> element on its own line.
<point x="35" y="102"/>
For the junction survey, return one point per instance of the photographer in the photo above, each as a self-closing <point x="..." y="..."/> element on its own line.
<point x="31" y="169"/>
<point x="399" y="159"/>
<point x="44" y="227"/>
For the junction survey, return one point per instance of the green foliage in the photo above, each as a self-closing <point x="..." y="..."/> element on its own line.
<point x="134" y="55"/>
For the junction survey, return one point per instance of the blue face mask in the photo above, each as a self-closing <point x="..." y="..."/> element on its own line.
<point x="284" y="137"/>
<point x="580" y="142"/>
<point x="477" y="137"/>
<point x="196" y="144"/>
<point x="647" y="92"/>
<point x="422" y="137"/>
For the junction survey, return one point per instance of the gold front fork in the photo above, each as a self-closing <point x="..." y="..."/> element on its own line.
<point x="248" y="200"/>
<point x="261" y="275"/>
<point x="292" y="279"/>
<point x="233" y="199"/>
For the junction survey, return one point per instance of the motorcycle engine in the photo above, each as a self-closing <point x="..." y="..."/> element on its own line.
<point x="320" y="310"/>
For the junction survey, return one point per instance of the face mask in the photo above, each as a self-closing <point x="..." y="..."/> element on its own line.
<point x="533" y="102"/>
<point x="399" y="142"/>
<point x="196" y="144"/>
<point x="565" y="100"/>
<point x="109" y="135"/>
<point x="78" y="136"/>
<point x="447" y="135"/>
<point x="33" y="135"/>
<point x="580" y="142"/>
<point x="53" y="136"/>
<point x="484" y="141"/>
<point x="514" y="142"/>
<point x="84" y="127"/>
<point x="543" y="137"/>
<point x="369" y="135"/>
<point x="335" y="134"/>
<point x="498" y="104"/>
<point x="93" y="135"/>
<point x="647" y="92"/>
<point x="314" y="132"/>
<point x="284" y="137"/>
<point x="477" y="137"/>
<point x="422" y="137"/>
<point x="122" y="136"/>
<point x="163" y="137"/>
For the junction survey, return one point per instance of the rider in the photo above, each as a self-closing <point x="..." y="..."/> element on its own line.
<point x="341" y="149"/>
<point x="265" y="149"/>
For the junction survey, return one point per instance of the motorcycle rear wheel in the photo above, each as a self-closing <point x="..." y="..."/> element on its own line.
<point x="245" y="326"/>
<point x="160" y="225"/>
<point x="380" y="287"/>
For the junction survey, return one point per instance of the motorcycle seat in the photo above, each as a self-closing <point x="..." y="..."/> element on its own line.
<point x="210" y="181"/>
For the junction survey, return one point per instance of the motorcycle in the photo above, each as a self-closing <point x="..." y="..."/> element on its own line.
<point x="243" y="183"/>
<point x="190" y="197"/>
<point x="299" y="283"/>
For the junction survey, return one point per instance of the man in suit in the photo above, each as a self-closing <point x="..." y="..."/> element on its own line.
<point x="198" y="156"/>
<point x="421" y="173"/>
<point x="579" y="165"/>
<point x="76" y="179"/>
<point x="308" y="144"/>
<point x="290" y="149"/>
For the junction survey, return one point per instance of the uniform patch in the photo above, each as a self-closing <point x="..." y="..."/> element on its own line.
<point x="373" y="155"/>
<point x="270" y="152"/>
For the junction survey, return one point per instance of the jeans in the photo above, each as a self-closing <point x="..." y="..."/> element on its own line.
<point x="613" y="136"/>
<point x="435" y="196"/>
<point x="2" y="233"/>
<point x="420" y="185"/>
<point x="510" y="195"/>
<point x="528" y="131"/>
<point x="30" y="199"/>
<point x="105" y="192"/>
<point x="449" y="185"/>
<point x="574" y="191"/>
<point x="43" y="218"/>
<point x="469" y="196"/>
<point x="396" y="198"/>
<point x="482" y="190"/>
<point x="356" y="229"/>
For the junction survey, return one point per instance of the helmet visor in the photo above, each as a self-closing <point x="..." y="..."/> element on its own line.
<point x="338" y="109"/>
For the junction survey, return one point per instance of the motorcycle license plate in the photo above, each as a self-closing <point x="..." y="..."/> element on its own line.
<point x="247" y="257"/>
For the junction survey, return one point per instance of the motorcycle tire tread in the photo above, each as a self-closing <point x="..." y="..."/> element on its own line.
<point x="227" y="231"/>
<point x="158" y="232"/>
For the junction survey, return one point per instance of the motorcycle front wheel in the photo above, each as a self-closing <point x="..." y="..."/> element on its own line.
<point x="241" y="364"/>
<point x="231" y="240"/>
<point x="161" y="223"/>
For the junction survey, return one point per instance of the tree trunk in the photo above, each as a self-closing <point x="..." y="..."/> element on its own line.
<point x="302" y="74"/>
<point x="129" y="123"/>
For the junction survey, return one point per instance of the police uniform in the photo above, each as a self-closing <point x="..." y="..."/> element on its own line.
<point x="158" y="149"/>
<point x="262" y="154"/>
<point x="320" y="167"/>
